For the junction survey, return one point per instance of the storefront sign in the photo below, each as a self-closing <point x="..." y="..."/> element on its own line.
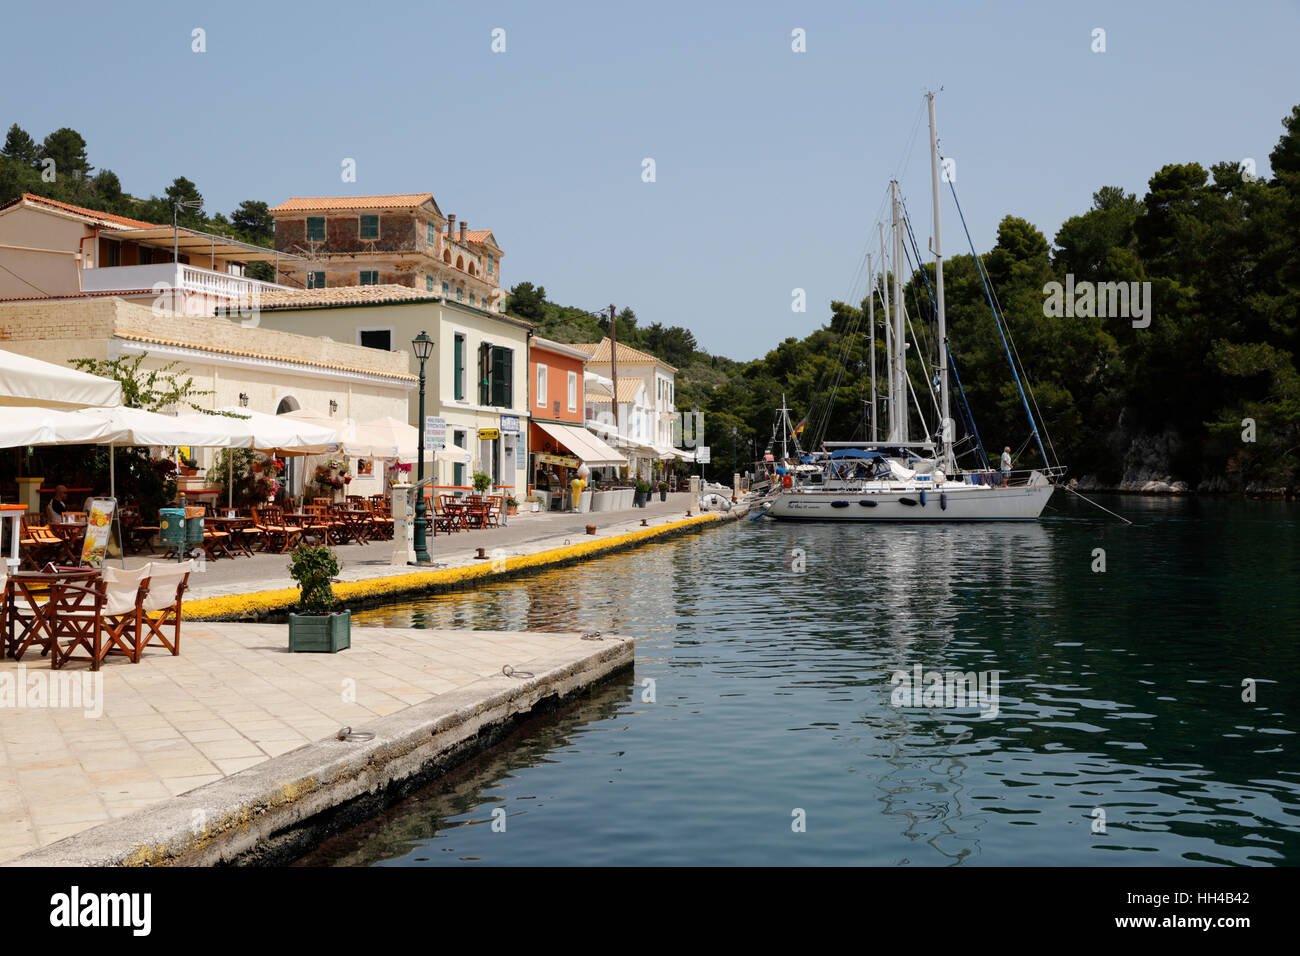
<point x="489" y="434"/>
<point x="702" y="454"/>
<point x="521" y="458"/>
<point x="510" y="423"/>
<point x="558" y="460"/>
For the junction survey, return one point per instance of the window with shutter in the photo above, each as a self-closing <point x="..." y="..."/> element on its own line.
<point x="485" y="374"/>
<point x="458" y="378"/>
<point x="502" y="376"/>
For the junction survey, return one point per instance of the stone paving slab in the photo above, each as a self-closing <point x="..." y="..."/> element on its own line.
<point x="233" y="700"/>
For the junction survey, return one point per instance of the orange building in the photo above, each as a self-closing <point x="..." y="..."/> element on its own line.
<point x="558" y="440"/>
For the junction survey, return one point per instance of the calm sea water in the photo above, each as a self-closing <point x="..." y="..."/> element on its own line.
<point x="1120" y="692"/>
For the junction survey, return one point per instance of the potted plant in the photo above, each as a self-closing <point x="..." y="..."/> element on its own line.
<point x="317" y="626"/>
<point x="512" y="506"/>
<point x="189" y="467"/>
<point x="642" y="494"/>
<point x="482" y="482"/>
<point x="663" y="491"/>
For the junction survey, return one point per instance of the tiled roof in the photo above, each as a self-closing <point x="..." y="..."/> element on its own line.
<point x="599" y="352"/>
<point x="312" y="203"/>
<point x="627" y="389"/>
<point x="248" y="353"/>
<point x="482" y="237"/>
<point x="95" y="214"/>
<point x="343" y="295"/>
<point x="115" y="293"/>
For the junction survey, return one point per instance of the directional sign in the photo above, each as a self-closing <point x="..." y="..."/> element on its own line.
<point x="435" y="432"/>
<point x="488" y="434"/>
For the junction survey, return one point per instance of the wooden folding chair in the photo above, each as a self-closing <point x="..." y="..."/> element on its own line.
<point x="269" y="521"/>
<point x="74" y="619"/>
<point x="162" y="604"/>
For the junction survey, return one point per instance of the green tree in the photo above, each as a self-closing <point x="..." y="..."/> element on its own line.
<point x="68" y="150"/>
<point x="21" y="148"/>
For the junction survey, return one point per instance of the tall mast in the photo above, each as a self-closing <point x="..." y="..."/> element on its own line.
<point x="785" y="418"/>
<point x="871" y="333"/>
<point x="945" y="426"/>
<point x="889" y="335"/>
<point x="898" y="420"/>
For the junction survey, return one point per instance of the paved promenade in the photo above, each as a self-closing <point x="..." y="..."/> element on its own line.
<point x="526" y="534"/>
<point x="235" y="700"/>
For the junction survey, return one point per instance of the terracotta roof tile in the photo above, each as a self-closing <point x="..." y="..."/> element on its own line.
<point x="105" y="217"/>
<point x="312" y="203"/>
<point x="599" y="352"/>
<point x="247" y="353"/>
<point x="343" y="295"/>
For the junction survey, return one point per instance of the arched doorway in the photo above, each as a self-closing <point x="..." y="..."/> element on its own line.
<point x="292" y="470"/>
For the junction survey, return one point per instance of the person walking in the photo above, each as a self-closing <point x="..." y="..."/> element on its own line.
<point x="1006" y="465"/>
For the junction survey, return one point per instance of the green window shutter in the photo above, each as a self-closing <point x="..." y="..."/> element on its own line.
<point x="459" y="375"/>
<point x="369" y="227"/>
<point x="316" y="227"/>
<point x="485" y="374"/>
<point x="502" y="376"/>
<point x="428" y="283"/>
<point x="445" y="288"/>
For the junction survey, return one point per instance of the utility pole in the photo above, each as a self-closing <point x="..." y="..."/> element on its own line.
<point x="613" y="364"/>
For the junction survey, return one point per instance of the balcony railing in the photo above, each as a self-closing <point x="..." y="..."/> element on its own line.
<point x="173" y="276"/>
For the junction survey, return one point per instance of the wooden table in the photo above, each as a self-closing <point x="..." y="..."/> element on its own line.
<point x="23" y="628"/>
<point x="72" y="533"/>
<point x="305" y="522"/>
<point x="236" y="528"/>
<point x="356" y="523"/>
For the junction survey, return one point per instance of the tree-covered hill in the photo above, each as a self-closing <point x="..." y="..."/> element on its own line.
<point x="1180" y="398"/>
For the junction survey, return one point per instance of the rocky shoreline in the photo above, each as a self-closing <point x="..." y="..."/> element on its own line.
<point x="1168" y="485"/>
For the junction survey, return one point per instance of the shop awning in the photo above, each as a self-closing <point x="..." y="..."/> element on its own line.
<point x="583" y="444"/>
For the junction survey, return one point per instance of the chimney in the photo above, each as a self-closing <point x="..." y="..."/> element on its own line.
<point x="451" y="225"/>
<point x="462" y="230"/>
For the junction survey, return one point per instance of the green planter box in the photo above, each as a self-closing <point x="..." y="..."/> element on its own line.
<point x="325" y="633"/>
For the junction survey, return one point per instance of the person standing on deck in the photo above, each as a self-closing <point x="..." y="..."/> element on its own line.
<point x="1006" y="465"/>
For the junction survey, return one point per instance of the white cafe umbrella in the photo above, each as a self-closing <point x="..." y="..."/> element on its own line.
<point x="344" y="429"/>
<point x="28" y="381"/>
<point x="394" y="438"/>
<point x="21" y="426"/>
<point x="135" y="426"/>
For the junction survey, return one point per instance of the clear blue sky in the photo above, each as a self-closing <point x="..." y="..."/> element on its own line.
<point x="771" y="165"/>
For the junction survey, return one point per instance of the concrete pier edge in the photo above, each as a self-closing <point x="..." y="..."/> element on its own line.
<point x="259" y="605"/>
<point x="273" y="812"/>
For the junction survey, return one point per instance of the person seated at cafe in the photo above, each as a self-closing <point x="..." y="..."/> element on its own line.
<point x="58" y="504"/>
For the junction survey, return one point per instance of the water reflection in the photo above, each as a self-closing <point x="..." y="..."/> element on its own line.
<point x="1120" y="691"/>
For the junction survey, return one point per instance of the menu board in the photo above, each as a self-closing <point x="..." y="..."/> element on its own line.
<point x="99" y="522"/>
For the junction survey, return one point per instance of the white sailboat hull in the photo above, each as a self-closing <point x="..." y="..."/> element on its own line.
<point x="954" y="502"/>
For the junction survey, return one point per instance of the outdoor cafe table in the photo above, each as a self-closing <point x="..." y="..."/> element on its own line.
<point x="72" y="533"/>
<point x="305" y="521"/>
<point x="237" y="528"/>
<point x="25" y="626"/>
<point x="356" y="523"/>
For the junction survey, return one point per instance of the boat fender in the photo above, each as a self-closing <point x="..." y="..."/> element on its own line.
<point x="922" y="497"/>
<point x="867" y="504"/>
<point x="839" y="504"/>
<point x="943" y="501"/>
<point x="907" y="501"/>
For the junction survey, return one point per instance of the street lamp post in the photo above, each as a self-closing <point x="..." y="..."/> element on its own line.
<point x="422" y="345"/>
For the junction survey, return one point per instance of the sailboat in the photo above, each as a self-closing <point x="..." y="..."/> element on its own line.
<point x="899" y="479"/>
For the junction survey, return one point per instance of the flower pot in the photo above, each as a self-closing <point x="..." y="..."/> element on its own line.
<point x="187" y="472"/>
<point x="663" y="494"/>
<point x="512" y="509"/>
<point x="639" y="500"/>
<point x="325" y="633"/>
